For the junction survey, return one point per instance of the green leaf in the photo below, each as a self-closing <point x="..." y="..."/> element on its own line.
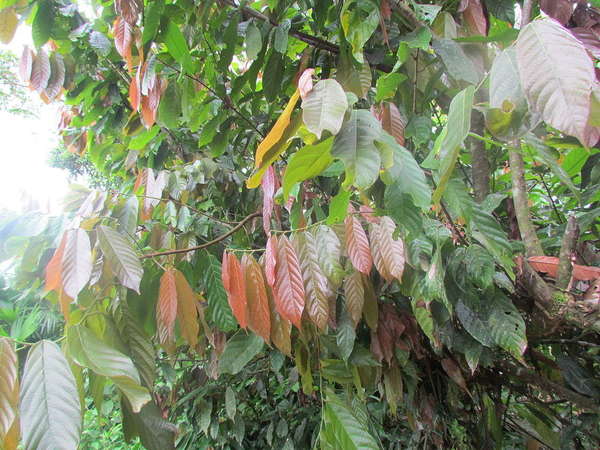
<point x="280" y="41"/>
<point x="353" y="78"/>
<point x="76" y="262"/>
<point x="459" y="65"/>
<point x="338" y="208"/>
<point x="169" y="108"/>
<point x="230" y="403"/>
<point x="324" y="107"/>
<point x="230" y="38"/>
<point x="141" y="140"/>
<point x="456" y="130"/>
<point x="218" y="311"/>
<point x="273" y="77"/>
<point x="502" y="9"/>
<point x="127" y="215"/>
<point x="152" y="14"/>
<point x="345" y="335"/>
<point x="355" y="146"/>
<point x="419" y="38"/>
<point x="50" y="411"/>
<point x="253" y="41"/>
<point x="123" y="261"/>
<point x="343" y="429"/>
<point x="154" y="431"/>
<point x="330" y="252"/>
<point x="405" y="173"/>
<point x="239" y="351"/>
<point x="308" y="162"/>
<point x="505" y="83"/>
<point x="359" y="19"/>
<point x="43" y="22"/>
<point x="177" y="46"/>
<point x="87" y="350"/>
<point x="387" y="85"/>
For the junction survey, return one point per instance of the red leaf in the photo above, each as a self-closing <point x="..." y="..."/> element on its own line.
<point x="453" y="371"/>
<point x="259" y="316"/>
<point x="40" y="71"/>
<point x="354" y="296"/>
<point x="123" y="38"/>
<point x="268" y="187"/>
<point x="357" y="245"/>
<point x="128" y="9"/>
<point x="166" y="307"/>
<point x="475" y="16"/>
<point x="589" y="38"/>
<point x="393" y="121"/>
<point x="134" y="91"/>
<point x="305" y="82"/>
<point x="233" y="281"/>
<point x="54" y="267"/>
<point x="385" y="9"/>
<point x="25" y="64"/>
<point x="561" y="10"/>
<point x="368" y="214"/>
<point x="289" y="288"/>
<point x="57" y="76"/>
<point x="271" y="259"/>
<point x="549" y="265"/>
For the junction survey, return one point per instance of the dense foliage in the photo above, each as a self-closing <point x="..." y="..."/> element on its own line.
<point x="353" y="224"/>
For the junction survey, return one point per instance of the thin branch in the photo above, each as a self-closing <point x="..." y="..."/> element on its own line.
<point x="567" y="249"/>
<point x="558" y="214"/>
<point x="207" y="244"/>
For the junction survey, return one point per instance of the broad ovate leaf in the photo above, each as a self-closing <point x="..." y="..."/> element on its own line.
<point x="308" y="162"/>
<point x="86" y="350"/>
<point x="40" y="71"/>
<point x="324" y="107"/>
<point x="187" y="313"/>
<point x="50" y="410"/>
<point x="354" y="295"/>
<point x="9" y="395"/>
<point x="557" y="76"/>
<point x="234" y="284"/>
<point x="166" y="307"/>
<point x="259" y="317"/>
<point x="76" y="262"/>
<point x="289" y="287"/>
<point x="329" y="250"/>
<point x="121" y="256"/>
<point x="357" y="245"/>
<point x="239" y="351"/>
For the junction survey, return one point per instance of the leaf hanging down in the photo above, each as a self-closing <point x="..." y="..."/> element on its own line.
<point x="121" y="256"/>
<point x="87" y="350"/>
<point x="154" y="188"/>
<point x="324" y="107"/>
<point x="134" y="90"/>
<point x="308" y="162"/>
<point x="391" y="120"/>
<point x="123" y="37"/>
<point x="277" y="131"/>
<point x="57" y="76"/>
<point x="376" y="251"/>
<point x="281" y="329"/>
<point x="557" y="76"/>
<point x="271" y="259"/>
<point x="129" y="10"/>
<point x="259" y="317"/>
<point x="268" y="183"/>
<point x="9" y="395"/>
<point x="561" y="10"/>
<point x="355" y="146"/>
<point x="50" y="409"/>
<point x="354" y="296"/>
<point x="40" y="71"/>
<point x="25" y="64"/>
<point x="54" y="267"/>
<point x="76" y="262"/>
<point x="289" y="288"/>
<point x="218" y="310"/>
<point x="234" y="284"/>
<point x="329" y="250"/>
<point x="549" y="265"/>
<point x="239" y="351"/>
<point x="166" y="307"/>
<point x="391" y="250"/>
<point x="315" y="282"/>
<point x="357" y="245"/>
<point x="187" y="313"/>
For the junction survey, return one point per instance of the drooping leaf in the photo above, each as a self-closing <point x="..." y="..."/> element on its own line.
<point x="357" y="245"/>
<point x="234" y="284"/>
<point x="456" y="130"/>
<point x="268" y="183"/>
<point x="289" y="287"/>
<point x="355" y="146"/>
<point x="281" y="329"/>
<point x="391" y="120"/>
<point x="152" y="16"/>
<point x="43" y="23"/>
<point x="345" y="335"/>
<point x="230" y="403"/>
<point x="239" y="351"/>
<point x="329" y="250"/>
<point x="271" y="259"/>
<point x="315" y="281"/>
<point x="218" y="311"/>
<point x="54" y="268"/>
<point x="359" y="20"/>
<point x="259" y="317"/>
<point x="187" y="313"/>
<point x="76" y="262"/>
<point x="354" y="295"/>
<point x="50" y="411"/>
<point x="9" y="395"/>
<point x="253" y="41"/>
<point x="123" y="260"/>
<point x="459" y="65"/>
<point x="177" y="46"/>
<point x="154" y="431"/>
<point x="122" y="32"/>
<point x="87" y="350"/>
<point x="387" y="85"/>
<point x="324" y="107"/>
<point x="25" y="64"/>
<point x="40" y="71"/>
<point x="557" y="76"/>
<point x="390" y="251"/>
<point x="308" y="162"/>
<point x="561" y="10"/>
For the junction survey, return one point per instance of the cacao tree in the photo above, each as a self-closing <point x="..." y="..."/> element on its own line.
<point x="353" y="224"/>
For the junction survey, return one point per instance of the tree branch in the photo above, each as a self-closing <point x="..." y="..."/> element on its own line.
<point x="480" y="166"/>
<point x="206" y="244"/>
<point x="567" y="248"/>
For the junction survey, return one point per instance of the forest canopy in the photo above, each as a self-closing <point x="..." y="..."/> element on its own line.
<point x="357" y="224"/>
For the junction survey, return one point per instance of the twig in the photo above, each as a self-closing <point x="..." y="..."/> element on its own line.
<point x="567" y="249"/>
<point x="449" y="218"/>
<point x="558" y="214"/>
<point x="207" y="244"/>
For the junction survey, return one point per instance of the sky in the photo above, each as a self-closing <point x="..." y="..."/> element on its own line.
<point x="25" y="146"/>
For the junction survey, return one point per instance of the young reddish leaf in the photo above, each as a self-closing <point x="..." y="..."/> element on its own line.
<point x="271" y="259"/>
<point x="474" y="15"/>
<point x="354" y="294"/>
<point x="123" y="37"/>
<point x="368" y="214"/>
<point x="268" y="187"/>
<point x="393" y="121"/>
<point x="453" y="371"/>
<point x="385" y="10"/>
<point x="134" y="91"/>
<point x="549" y="265"/>
<point x="57" y="76"/>
<point x="166" y="307"/>
<point x="281" y="329"/>
<point x="25" y="64"/>
<point x="357" y="245"/>
<point x="76" y="267"/>
<point x="561" y="10"/>
<point x="289" y="288"/>
<point x="277" y="131"/>
<point x="305" y="82"/>
<point x="129" y="10"/>
<point x="40" y="71"/>
<point x="187" y="313"/>
<point x="54" y="267"/>
<point x="9" y="395"/>
<point x="259" y="317"/>
<point x="315" y="281"/>
<point x="392" y="250"/>
<point x="234" y="284"/>
<point x="377" y="253"/>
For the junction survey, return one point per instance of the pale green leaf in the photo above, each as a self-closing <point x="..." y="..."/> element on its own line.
<point x="324" y="107"/>
<point x="177" y="46"/>
<point x="76" y="262"/>
<point x="230" y="403"/>
<point x="123" y="260"/>
<point x="239" y="351"/>
<point x="308" y="162"/>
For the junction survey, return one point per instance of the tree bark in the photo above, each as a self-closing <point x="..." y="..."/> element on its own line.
<point x="567" y="248"/>
<point x="480" y="166"/>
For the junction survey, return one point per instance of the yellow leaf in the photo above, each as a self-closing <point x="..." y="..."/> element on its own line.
<point x="277" y="131"/>
<point x="8" y="25"/>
